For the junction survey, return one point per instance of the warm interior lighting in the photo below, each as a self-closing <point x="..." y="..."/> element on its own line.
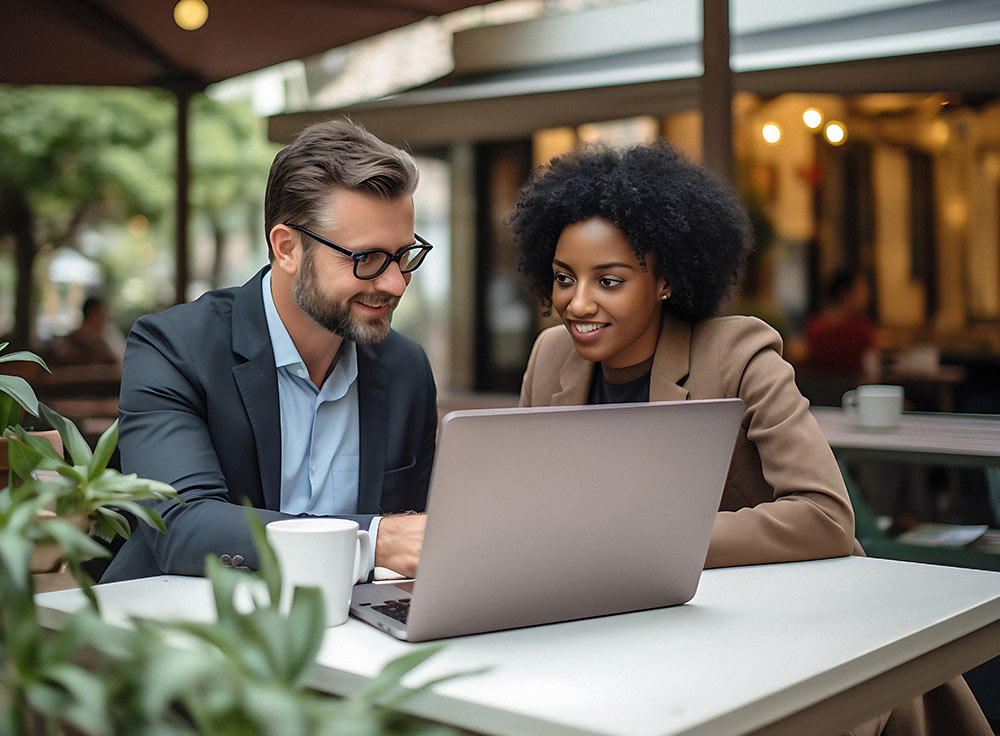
<point x="835" y="132"/>
<point x="812" y="118"/>
<point x="940" y="133"/>
<point x="771" y="133"/>
<point x="190" y="14"/>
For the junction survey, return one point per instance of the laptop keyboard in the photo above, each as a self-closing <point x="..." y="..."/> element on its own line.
<point x="395" y="609"/>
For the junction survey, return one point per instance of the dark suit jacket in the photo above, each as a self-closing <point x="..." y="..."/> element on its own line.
<point x="199" y="410"/>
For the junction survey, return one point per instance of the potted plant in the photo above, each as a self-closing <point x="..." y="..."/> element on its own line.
<point x="244" y="673"/>
<point x="17" y="397"/>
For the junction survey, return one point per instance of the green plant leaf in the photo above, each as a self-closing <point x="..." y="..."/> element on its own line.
<point x="10" y="411"/>
<point x="74" y="563"/>
<point x="22" y="355"/>
<point x="112" y="484"/>
<point x="110" y="524"/>
<point x="305" y="628"/>
<point x="69" y="472"/>
<point x="143" y="513"/>
<point x="223" y="589"/>
<point x="22" y="457"/>
<point x="15" y="558"/>
<point x="274" y="710"/>
<point x="20" y="390"/>
<point x="102" y="453"/>
<point x="269" y="571"/>
<point x="85" y="701"/>
<point x="77" y="447"/>
<point x="40" y="444"/>
<point x="389" y="678"/>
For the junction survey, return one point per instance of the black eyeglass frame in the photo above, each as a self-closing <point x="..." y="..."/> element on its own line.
<point x="358" y="255"/>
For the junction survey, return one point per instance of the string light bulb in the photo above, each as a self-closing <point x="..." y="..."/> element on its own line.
<point x="835" y="133"/>
<point x="771" y="133"/>
<point x="190" y="14"/>
<point x="812" y="118"/>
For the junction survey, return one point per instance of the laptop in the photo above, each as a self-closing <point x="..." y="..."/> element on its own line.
<point x="547" y="514"/>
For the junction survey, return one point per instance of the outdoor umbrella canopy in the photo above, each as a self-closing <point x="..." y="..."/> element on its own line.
<point x="111" y="42"/>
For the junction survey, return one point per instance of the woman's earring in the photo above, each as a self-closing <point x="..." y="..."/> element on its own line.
<point x="665" y="297"/>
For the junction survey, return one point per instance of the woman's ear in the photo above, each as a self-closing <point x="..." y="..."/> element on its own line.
<point x="287" y="249"/>
<point x="664" y="290"/>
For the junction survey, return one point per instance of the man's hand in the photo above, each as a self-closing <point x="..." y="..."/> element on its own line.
<point x="400" y="538"/>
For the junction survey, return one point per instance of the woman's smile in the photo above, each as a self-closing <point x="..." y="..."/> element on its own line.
<point x="586" y="329"/>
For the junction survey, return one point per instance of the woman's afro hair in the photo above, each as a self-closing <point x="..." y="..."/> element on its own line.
<point x="662" y="203"/>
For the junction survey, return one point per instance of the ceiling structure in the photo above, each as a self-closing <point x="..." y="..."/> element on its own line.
<point x="109" y="42"/>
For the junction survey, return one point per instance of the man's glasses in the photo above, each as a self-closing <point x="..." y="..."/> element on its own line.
<point x="370" y="264"/>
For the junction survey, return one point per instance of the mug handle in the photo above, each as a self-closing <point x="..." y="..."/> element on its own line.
<point x="849" y="400"/>
<point x="364" y="552"/>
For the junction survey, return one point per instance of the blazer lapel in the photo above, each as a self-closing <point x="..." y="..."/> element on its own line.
<point x="671" y="361"/>
<point x="671" y="364"/>
<point x="373" y="426"/>
<point x="257" y="380"/>
<point x="574" y="379"/>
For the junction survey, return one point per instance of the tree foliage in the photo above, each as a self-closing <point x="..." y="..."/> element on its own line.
<point x="75" y="158"/>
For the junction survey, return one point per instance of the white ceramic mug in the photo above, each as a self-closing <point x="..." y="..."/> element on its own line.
<point x="876" y="406"/>
<point x="329" y="554"/>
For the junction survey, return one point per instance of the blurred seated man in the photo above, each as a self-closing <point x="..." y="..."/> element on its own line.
<point x="92" y="342"/>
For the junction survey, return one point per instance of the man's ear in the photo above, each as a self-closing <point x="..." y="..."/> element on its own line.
<point x="287" y="249"/>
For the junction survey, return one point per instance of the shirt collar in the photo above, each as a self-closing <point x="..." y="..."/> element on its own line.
<point x="284" y="349"/>
<point x="287" y="355"/>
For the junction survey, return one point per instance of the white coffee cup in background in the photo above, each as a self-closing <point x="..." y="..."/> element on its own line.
<point x="329" y="554"/>
<point x="877" y="406"/>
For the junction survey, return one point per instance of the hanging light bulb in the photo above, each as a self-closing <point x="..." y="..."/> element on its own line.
<point x="812" y="118"/>
<point x="771" y="133"/>
<point x="835" y="133"/>
<point x="190" y="14"/>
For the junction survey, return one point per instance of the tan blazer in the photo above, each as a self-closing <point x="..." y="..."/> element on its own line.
<point x="784" y="498"/>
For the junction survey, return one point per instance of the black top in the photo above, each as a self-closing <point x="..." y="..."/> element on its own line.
<point x="620" y="385"/>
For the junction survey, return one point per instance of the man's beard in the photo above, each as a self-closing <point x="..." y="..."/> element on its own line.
<point x="336" y="316"/>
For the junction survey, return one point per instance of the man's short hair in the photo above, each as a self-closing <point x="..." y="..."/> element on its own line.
<point x="90" y="304"/>
<point x="327" y="155"/>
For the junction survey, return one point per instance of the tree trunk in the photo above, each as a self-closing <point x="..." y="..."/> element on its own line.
<point x="219" y="236"/>
<point x="16" y="218"/>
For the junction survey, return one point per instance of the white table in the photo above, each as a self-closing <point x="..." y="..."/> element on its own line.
<point x="810" y="647"/>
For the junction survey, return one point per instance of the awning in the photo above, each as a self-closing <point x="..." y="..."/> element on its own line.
<point x="930" y="46"/>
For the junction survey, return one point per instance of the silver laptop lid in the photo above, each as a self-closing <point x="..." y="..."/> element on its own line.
<point x="547" y="514"/>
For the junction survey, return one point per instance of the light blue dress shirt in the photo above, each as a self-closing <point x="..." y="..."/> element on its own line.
<point x="320" y="435"/>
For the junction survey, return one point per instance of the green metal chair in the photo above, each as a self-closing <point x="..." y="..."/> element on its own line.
<point x="876" y="543"/>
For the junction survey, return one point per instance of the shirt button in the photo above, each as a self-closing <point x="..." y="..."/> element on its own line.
<point x="312" y="468"/>
<point x="302" y="372"/>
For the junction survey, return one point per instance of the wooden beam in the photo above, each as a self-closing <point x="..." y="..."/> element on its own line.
<point x="717" y="89"/>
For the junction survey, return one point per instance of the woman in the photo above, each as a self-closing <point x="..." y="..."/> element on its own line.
<point x="636" y="250"/>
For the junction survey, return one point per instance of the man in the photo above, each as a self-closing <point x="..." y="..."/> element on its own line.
<point x="95" y="341"/>
<point x="291" y="392"/>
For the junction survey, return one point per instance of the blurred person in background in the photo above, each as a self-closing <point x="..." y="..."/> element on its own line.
<point x="841" y="339"/>
<point x="96" y="341"/>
